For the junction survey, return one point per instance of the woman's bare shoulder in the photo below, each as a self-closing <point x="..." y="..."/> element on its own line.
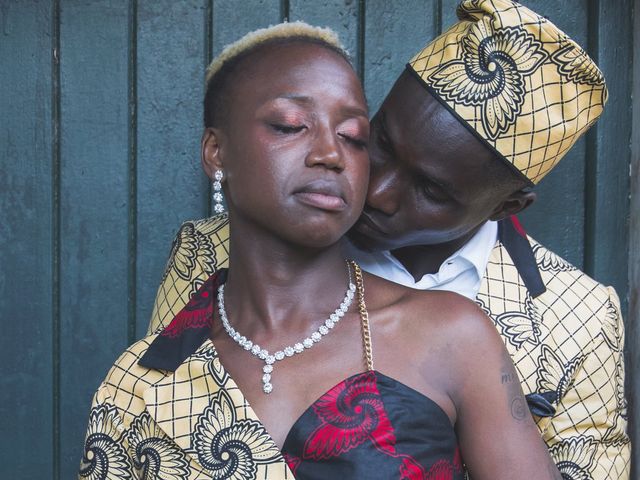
<point x="442" y="316"/>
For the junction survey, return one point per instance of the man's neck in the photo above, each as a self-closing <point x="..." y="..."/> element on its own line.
<point x="420" y="260"/>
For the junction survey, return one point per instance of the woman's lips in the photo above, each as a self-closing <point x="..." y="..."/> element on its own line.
<point x="323" y="195"/>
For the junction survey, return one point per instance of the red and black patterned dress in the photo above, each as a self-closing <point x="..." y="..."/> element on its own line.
<point x="170" y="406"/>
<point x="371" y="426"/>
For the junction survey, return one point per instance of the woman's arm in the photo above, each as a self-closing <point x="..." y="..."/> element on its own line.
<point x="498" y="437"/>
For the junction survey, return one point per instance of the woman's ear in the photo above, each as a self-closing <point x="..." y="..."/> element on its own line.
<point x="210" y="151"/>
<point x="513" y="204"/>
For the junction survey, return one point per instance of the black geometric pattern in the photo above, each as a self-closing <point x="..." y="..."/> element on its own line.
<point x="570" y="347"/>
<point x="229" y="448"/>
<point x="518" y="82"/>
<point x="154" y="454"/>
<point x="148" y="423"/>
<point x="492" y="74"/>
<point x="104" y="455"/>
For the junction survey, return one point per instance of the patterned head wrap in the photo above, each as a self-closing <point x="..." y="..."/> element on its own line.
<point x="516" y="81"/>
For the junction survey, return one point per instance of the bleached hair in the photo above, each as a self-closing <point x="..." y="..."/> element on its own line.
<point x="223" y="66"/>
<point x="281" y="31"/>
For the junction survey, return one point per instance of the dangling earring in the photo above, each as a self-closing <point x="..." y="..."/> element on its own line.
<point x="218" y="207"/>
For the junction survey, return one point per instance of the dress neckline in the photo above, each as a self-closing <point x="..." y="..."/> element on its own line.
<point x="298" y="420"/>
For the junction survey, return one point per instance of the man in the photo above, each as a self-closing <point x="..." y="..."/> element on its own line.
<point x="479" y="116"/>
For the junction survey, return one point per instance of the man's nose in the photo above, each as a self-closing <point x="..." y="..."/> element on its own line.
<point x="325" y="151"/>
<point x="384" y="191"/>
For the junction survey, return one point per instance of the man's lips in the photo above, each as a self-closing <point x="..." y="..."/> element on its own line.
<point x="322" y="194"/>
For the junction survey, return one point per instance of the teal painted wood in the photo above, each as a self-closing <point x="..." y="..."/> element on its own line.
<point x="95" y="207"/>
<point x="633" y="320"/>
<point x="233" y="18"/>
<point x="171" y="187"/>
<point x="606" y="244"/>
<point x="340" y="15"/>
<point x="557" y="217"/>
<point x="26" y="243"/>
<point x="394" y="32"/>
<point x="130" y="174"/>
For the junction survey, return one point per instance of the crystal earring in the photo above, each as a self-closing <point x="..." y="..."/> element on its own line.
<point x="218" y="206"/>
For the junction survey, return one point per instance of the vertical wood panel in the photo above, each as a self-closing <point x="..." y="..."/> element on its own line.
<point x="340" y="15"/>
<point x="95" y="207"/>
<point x="633" y="319"/>
<point x="233" y="18"/>
<point x="556" y="219"/>
<point x="130" y="174"/>
<point x="394" y="32"/>
<point x="171" y="184"/>
<point x="26" y="401"/>
<point x="606" y="249"/>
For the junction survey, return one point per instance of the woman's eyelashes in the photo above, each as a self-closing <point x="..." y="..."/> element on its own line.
<point x="360" y="142"/>
<point x="287" y="129"/>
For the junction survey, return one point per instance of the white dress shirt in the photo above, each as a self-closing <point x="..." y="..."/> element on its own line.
<point x="462" y="272"/>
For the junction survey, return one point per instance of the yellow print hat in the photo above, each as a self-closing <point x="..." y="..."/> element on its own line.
<point x="519" y="83"/>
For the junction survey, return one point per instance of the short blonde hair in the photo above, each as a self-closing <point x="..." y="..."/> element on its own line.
<point x="281" y="31"/>
<point x="234" y="52"/>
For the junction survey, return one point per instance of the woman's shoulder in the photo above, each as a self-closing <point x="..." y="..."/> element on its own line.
<point x="434" y="316"/>
<point x="127" y="379"/>
<point x="422" y="305"/>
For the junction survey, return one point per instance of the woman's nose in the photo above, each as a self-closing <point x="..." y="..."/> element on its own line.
<point x="325" y="152"/>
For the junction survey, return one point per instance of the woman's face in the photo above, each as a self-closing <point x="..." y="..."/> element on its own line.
<point x="293" y="144"/>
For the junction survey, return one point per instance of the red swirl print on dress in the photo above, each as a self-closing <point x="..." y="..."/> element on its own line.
<point x="198" y="313"/>
<point x="293" y="462"/>
<point x="351" y="413"/>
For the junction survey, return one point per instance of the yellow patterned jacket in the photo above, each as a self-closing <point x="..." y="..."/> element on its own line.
<point x="563" y="330"/>
<point x="169" y="410"/>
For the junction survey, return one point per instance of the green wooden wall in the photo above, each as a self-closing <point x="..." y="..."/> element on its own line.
<point x="99" y="164"/>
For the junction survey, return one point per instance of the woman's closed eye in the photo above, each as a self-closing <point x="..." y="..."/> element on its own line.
<point x="360" y="142"/>
<point x="287" y="129"/>
<point x="355" y="132"/>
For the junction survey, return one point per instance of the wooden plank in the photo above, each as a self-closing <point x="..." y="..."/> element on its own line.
<point x="234" y="18"/>
<point x="26" y="280"/>
<point x="339" y="15"/>
<point x="394" y="32"/>
<point x="95" y="207"/>
<point x="562" y="191"/>
<point x="171" y="185"/>
<point x="633" y="319"/>
<point x="606" y="242"/>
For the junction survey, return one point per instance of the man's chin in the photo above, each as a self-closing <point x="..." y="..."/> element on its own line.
<point x="364" y="242"/>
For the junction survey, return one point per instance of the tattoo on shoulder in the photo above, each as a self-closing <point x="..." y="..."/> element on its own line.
<point x="508" y="377"/>
<point x="519" y="407"/>
<point x="516" y="401"/>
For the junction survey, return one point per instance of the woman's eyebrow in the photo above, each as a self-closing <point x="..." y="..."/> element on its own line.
<point x="306" y="100"/>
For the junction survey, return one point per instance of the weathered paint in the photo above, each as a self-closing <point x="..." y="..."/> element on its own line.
<point x="100" y="164"/>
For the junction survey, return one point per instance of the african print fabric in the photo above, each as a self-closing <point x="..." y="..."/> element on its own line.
<point x="515" y="80"/>
<point x="169" y="410"/>
<point x="187" y="420"/>
<point x="563" y="330"/>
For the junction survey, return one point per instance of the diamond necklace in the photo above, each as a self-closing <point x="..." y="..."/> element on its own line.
<point x="290" y="350"/>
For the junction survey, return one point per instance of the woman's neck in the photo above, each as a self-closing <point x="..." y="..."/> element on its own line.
<point x="280" y="286"/>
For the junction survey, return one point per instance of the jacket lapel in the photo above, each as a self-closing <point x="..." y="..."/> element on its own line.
<point x="198" y="405"/>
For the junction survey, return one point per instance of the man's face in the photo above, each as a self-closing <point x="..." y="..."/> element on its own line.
<point x="430" y="180"/>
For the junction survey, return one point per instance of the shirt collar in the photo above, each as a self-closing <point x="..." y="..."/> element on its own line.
<point x="473" y="255"/>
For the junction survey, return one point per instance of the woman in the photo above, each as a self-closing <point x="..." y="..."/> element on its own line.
<point x="260" y="375"/>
